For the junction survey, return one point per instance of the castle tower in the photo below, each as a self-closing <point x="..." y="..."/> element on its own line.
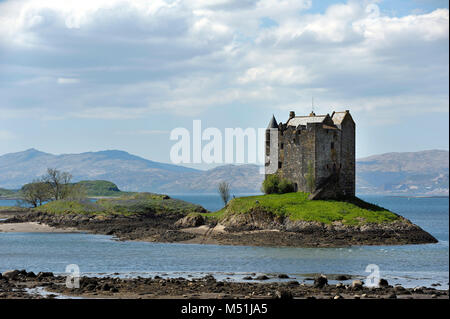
<point x="316" y="153"/>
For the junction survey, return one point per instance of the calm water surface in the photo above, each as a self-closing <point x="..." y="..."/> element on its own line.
<point x="411" y="265"/>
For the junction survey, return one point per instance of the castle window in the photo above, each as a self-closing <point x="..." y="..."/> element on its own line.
<point x="282" y="145"/>
<point x="279" y="164"/>
<point x="332" y="145"/>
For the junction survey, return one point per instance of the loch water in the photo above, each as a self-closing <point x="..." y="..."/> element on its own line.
<point x="409" y="265"/>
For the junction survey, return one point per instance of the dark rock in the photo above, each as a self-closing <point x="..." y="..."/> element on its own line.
<point x="44" y="275"/>
<point x="293" y="283"/>
<point x="91" y="287"/>
<point x="392" y="296"/>
<point x="383" y="283"/>
<point x="247" y="278"/>
<point x="209" y="278"/>
<point x="283" y="294"/>
<point x="106" y="287"/>
<point x="262" y="277"/>
<point x="357" y="284"/>
<point x="31" y="274"/>
<point x="194" y="220"/>
<point x="342" y="277"/>
<point x="10" y="274"/>
<point x="320" y="281"/>
<point x="283" y="276"/>
<point x="114" y="289"/>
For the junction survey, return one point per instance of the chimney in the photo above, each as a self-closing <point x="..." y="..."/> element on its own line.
<point x="291" y="114"/>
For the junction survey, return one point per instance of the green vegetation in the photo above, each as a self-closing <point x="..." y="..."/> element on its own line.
<point x="297" y="206"/>
<point x="140" y="203"/>
<point x="273" y="184"/>
<point x="101" y="188"/>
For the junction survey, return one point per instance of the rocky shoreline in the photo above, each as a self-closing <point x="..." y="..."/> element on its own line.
<point x="249" y="229"/>
<point x="21" y="284"/>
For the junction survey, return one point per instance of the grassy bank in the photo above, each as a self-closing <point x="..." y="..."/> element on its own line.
<point x="296" y="206"/>
<point x="141" y="203"/>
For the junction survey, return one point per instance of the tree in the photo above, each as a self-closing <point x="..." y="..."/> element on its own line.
<point x="224" y="191"/>
<point x="58" y="182"/>
<point x="74" y="192"/>
<point x="36" y="193"/>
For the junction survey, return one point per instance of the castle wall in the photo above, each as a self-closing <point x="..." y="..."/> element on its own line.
<point x="327" y="153"/>
<point x="295" y="155"/>
<point x="347" y="177"/>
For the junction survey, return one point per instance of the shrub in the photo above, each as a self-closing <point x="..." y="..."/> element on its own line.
<point x="273" y="184"/>
<point x="285" y="186"/>
<point x="270" y="184"/>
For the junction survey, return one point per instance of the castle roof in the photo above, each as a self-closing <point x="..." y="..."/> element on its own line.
<point x="273" y="123"/>
<point x="303" y="120"/>
<point x="338" y="117"/>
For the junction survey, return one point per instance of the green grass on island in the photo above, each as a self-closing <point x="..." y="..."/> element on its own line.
<point x="297" y="206"/>
<point x="101" y="188"/>
<point x="95" y="188"/>
<point x="126" y="205"/>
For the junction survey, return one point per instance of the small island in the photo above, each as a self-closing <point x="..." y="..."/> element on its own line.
<point x="289" y="219"/>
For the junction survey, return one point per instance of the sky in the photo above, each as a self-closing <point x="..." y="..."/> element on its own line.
<point x="78" y="76"/>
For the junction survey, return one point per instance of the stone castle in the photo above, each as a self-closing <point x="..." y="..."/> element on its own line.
<point x="316" y="153"/>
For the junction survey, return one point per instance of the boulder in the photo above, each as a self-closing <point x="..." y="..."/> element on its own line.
<point x="320" y="281"/>
<point x="193" y="220"/>
<point x="357" y="284"/>
<point x="45" y="274"/>
<point x="10" y="274"/>
<point x="293" y="283"/>
<point x="283" y="294"/>
<point x="383" y="283"/>
<point x="283" y="276"/>
<point x="262" y="277"/>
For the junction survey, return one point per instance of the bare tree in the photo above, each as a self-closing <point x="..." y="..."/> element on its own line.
<point x="36" y="193"/>
<point x="224" y="191"/>
<point x="59" y="182"/>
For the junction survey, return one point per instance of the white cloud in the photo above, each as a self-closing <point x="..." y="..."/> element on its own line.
<point x="67" y="80"/>
<point x="185" y="57"/>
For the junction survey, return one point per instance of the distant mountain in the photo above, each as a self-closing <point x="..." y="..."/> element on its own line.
<point x="128" y="172"/>
<point x="420" y="173"/>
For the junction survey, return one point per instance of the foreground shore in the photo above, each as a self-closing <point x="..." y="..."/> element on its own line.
<point x="25" y="285"/>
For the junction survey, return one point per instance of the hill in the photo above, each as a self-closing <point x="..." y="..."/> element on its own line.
<point x="414" y="173"/>
<point x="424" y="173"/>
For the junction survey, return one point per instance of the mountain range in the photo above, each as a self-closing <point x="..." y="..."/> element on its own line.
<point x="417" y="173"/>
